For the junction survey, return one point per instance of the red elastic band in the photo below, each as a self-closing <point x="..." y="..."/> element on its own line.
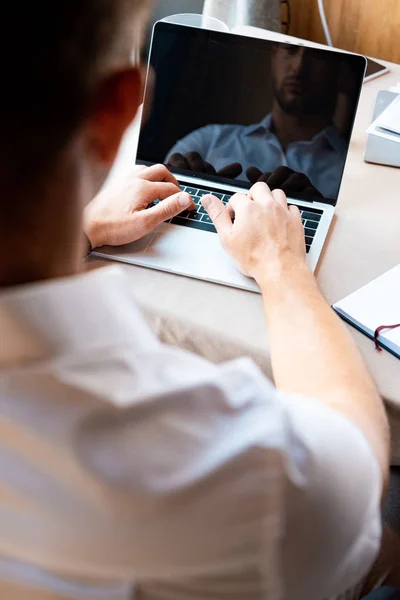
<point x="377" y="332"/>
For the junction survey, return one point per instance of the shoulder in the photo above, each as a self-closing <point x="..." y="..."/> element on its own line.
<point x="195" y="412"/>
<point x="231" y="449"/>
<point x="331" y="502"/>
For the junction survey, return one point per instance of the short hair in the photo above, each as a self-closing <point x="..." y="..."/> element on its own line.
<point x="52" y="53"/>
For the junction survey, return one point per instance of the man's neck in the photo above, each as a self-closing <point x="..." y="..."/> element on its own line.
<point x="296" y="128"/>
<point x="41" y="227"/>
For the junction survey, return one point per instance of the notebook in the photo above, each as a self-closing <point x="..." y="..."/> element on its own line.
<point x="389" y="120"/>
<point x="375" y="304"/>
<point x="387" y="123"/>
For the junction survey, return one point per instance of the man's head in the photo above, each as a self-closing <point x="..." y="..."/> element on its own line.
<point x="69" y="90"/>
<point x="66" y="64"/>
<point x="306" y="80"/>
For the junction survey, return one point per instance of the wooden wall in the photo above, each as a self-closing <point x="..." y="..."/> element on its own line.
<point x="370" y="27"/>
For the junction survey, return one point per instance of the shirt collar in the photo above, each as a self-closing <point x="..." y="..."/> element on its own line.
<point x="65" y="316"/>
<point x="329" y="134"/>
<point x="264" y="126"/>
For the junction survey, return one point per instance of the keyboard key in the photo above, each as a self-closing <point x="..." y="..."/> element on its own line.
<point x="226" y="199"/>
<point x="184" y="214"/>
<point x="194" y="224"/>
<point x="310" y="232"/>
<point x="194" y="215"/>
<point x="311" y="225"/>
<point x="183" y="187"/>
<point x="192" y="191"/>
<point x="312" y="216"/>
<point x="202" y="210"/>
<point x="308" y="249"/>
<point x="202" y="193"/>
<point x="206" y="219"/>
<point x="309" y="241"/>
<point x="218" y="195"/>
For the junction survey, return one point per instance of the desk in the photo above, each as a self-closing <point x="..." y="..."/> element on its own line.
<point x="364" y="241"/>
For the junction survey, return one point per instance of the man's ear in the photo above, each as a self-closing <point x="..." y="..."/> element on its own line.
<point x="115" y="105"/>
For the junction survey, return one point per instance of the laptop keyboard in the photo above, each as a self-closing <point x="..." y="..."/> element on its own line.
<point x="199" y="219"/>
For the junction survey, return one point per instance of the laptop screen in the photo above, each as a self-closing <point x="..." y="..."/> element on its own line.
<point x="235" y="109"/>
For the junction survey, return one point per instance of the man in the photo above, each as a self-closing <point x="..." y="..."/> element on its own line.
<point x="129" y="468"/>
<point x="295" y="143"/>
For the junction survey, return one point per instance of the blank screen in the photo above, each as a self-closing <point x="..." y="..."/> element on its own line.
<point x="266" y="107"/>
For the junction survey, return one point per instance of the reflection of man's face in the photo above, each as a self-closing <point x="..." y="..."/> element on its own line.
<point x="305" y="80"/>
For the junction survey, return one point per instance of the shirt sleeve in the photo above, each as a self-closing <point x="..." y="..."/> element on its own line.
<point x="332" y="500"/>
<point x="233" y="489"/>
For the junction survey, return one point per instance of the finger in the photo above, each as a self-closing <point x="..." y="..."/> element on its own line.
<point x="295" y="212"/>
<point x="231" y="211"/>
<point x="298" y="230"/>
<point x="196" y="163"/>
<point x="260" y="192"/>
<point x="253" y="174"/>
<point x="294" y="209"/>
<point x="279" y="176"/>
<point x="165" y="210"/>
<point x="178" y="161"/>
<point x="232" y="171"/>
<point x="218" y="214"/>
<point x="237" y="202"/>
<point x="265" y="177"/>
<point x="159" y="173"/>
<point x="280" y="197"/>
<point x="139" y="168"/>
<point x="160" y="190"/>
<point x="209" y="168"/>
<point x="297" y="182"/>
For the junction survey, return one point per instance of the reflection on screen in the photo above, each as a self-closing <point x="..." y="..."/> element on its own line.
<point x="246" y="110"/>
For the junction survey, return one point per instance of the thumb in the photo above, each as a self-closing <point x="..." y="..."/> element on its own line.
<point x="168" y="208"/>
<point x="218" y="214"/>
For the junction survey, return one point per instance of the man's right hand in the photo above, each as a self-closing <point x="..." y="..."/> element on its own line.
<point x="312" y="354"/>
<point x="192" y="161"/>
<point x="266" y="236"/>
<point x="283" y="178"/>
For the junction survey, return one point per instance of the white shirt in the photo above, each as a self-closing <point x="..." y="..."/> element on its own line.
<point x="130" y="467"/>
<point x="322" y="159"/>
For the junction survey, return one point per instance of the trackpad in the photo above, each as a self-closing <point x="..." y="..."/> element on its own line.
<point x="184" y="251"/>
<point x="194" y="253"/>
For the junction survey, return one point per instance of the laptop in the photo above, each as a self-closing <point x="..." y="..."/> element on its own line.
<point x="228" y="110"/>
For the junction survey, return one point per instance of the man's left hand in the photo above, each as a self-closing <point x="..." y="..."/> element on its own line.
<point x="119" y="214"/>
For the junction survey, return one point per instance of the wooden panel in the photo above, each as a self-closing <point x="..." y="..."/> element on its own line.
<point x="367" y="26"/>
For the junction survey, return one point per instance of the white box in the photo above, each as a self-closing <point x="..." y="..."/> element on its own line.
<point x="380" y="150"/>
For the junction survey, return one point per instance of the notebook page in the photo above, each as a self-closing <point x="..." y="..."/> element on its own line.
<point x="375" y="304"/>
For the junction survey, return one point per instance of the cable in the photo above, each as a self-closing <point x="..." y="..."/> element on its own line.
<point x="324" y="22"/>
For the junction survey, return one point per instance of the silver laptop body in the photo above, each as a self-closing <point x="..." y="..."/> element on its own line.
<point x="197" y="253"/>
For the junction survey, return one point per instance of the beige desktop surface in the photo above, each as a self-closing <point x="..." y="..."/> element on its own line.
<point x="364" y="241"/>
